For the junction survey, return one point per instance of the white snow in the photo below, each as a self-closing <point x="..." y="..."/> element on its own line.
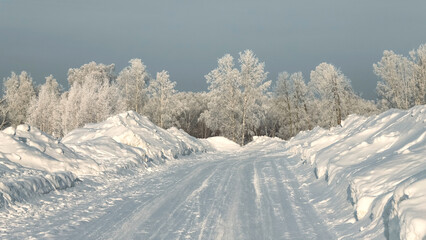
<point x="222" y="144"/>
<point x="31" y="148"/>
<point x="33" y="163"/>
<point x="380" y="162"/>
<point x="131" y="129"/>
<point x="371" y="182"/>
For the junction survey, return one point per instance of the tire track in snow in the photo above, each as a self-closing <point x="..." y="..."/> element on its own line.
<point x="278" y="207"/>
<point x="303" y="209"/>
<point x="191" y="211"/>
<point x="161" y="205"/>
<point x="256" y="183"/>
<point x="220" y="219"/>
<point x="245" y="196"/>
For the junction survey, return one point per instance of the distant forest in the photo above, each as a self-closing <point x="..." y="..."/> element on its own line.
<point x="240" y="102"/>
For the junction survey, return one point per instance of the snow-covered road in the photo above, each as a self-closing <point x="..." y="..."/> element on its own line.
<point x="234" y="197"/>
<point x="244" y="195"/>
<point x="364" y="180"/>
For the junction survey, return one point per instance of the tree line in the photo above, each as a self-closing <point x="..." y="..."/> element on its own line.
<point x="240" y="102"/>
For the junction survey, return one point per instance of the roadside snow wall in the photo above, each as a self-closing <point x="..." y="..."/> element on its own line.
<point x="33" y="163"/>
<point x="131" y="136"/>
<point x="380" y="161"/>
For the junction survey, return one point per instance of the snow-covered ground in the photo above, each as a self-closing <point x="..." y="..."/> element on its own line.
<point x="33" y="163"/>
<point x="125" y="178"/>
<point x="217" y="195"/>
<point x="380" y="164"/>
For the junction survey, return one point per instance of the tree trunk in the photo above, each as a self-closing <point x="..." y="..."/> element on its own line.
<point x="290" y="117"/>
<point x="339" y="111"/>
<point x="337" y="102"/>
<point x="244" y="122"/>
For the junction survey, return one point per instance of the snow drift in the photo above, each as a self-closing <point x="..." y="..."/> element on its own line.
<point x="380" y="162"/>
<point x="221" y="144"/>
<point x="32" y="148"/>
<point x="137" y="134"/>
<point x="32" y="162"/>
<point x="377" y="162"/>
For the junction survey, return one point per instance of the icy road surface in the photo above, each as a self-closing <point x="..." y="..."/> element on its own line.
<point x="242" y="195"/>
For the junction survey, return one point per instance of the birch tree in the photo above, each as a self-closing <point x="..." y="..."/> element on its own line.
<point x="301" y="102"/>
<point x="253" y="87"/>
<point x="93" y="96"/>
<point x="44" y="111"/>
<point x="223" y="110"/>
<point x="3" y="114"/>
<point x="18" y="92"/>
<point x="333" y="89"/>
<point x="283" y="106"/>
<point x="290" y="107"/>
<point x="132" y="82"/>
<point x="189" y="106"/>
<point x="418" y="58"/>
<point x="92" y="71"/>
<point x="160" y="106"/>
<point x="235" y="107"/>
<point x="397" y="83"/>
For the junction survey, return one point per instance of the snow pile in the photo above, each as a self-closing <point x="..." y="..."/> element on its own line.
<point x="32" y="162"/>
<point x="32" y="183"/>
<point x="191" y="144"/>
<point x="408" y="208"/>
<point x="221" y="144"/>
<point x="130" y="136"/>
<point x="380" y="162"/>
<point x="32" y="148"/>
<point x="263" y="143"/>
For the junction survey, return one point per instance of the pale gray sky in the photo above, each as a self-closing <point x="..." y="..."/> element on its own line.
<point x="187" y="37"/>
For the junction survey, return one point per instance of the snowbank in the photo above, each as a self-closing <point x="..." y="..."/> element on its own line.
<point x="221" y="144"/>
<point x="31" y="148"/>
<point x="31" y="183"/>
<point x="380" y="162"/>
<point x="32" y="162"/>
<point x="263" y="143"/>
<point x="135" y="131"/>
<point x="191" y="144"/>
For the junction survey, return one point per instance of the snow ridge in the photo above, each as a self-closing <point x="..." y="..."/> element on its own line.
<point x="33" y="162"/>
<point x="379" y="161"/>
<point x="376" y="163"/>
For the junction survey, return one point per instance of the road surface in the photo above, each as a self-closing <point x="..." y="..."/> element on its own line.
<point x="239" y="195"/>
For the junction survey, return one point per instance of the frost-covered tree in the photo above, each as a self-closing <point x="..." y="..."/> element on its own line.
<point x="271" y="125"/>
<point x="235" y="107"/>
<point x="402" y="80"/>
<point x="189" y="106"/>
<point x="397" y="81"/>
<point x="362" y="106"/>
<point x="290" y="108"/>
<point x="419" y="75"/>
<point x="18" y="92"/>
<point x="160" y="106"/>
<point x="333" y="90"/>
<point x="3" y="114"/>
<point x="224" y="112"/>
<point x="133" y="81"/>
<point x="92" y="70"/>
<point x="283" y="108"/>
<point x="253" y="87"/>
<point x="44" y="111"/>
<point x="93" y="96"/>
<point x="301" y="102"/>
